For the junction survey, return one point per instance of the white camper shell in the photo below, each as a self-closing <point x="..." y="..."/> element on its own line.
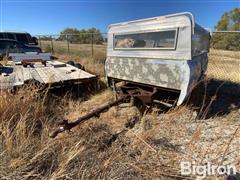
<point x="167" y="52"/>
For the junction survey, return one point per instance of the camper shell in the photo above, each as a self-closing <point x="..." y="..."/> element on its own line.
<point x="168" y="53"/>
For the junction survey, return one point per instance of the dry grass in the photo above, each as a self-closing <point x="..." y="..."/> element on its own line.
<point x="104" y="147"/>
<point x="107" y="147"/>
<point x="82" y="50"/>
<point x="91" y="64"/>
<point x="81" y="53"/>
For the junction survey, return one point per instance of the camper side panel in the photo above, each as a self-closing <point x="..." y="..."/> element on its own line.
<point x="194" y="71"/>
<point x="200" y="41"/>
<point x="146" y="71"/>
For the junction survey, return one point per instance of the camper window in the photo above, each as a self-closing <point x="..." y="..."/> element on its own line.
<point x="146" y="40"/>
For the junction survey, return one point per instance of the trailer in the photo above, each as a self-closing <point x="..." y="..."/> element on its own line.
<point x="43" y="69"/>
<point x="159" y="59"/>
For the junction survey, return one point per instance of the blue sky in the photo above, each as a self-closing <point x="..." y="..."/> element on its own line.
<point x="52" y="16"/>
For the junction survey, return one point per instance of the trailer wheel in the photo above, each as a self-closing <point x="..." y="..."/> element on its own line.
<point x="1" y="68"/>
<point x="79" y="66"/>
<point x="71" y="63"/>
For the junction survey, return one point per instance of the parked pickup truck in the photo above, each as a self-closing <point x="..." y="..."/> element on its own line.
<point x="12" y="46"/>
<point x="22" y="37"/>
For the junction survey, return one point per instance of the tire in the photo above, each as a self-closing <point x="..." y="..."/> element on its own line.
<point x="71" y="63"/>
<point x="79" y="66"/>
<point x="1" y="68"/>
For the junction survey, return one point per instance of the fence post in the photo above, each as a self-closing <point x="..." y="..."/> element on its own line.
<point x="52" y="44"/>
<point x="68" y="45"/>
<point x="92" y="44"/>
<point x="39" y="40"/>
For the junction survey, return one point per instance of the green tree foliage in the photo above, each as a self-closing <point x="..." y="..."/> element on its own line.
<point x="230" y="21"/>
<point x="227" y="41"/>
<point x="83" y="36"/>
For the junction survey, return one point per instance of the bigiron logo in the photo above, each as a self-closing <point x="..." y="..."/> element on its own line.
<point x="208" y="169"/>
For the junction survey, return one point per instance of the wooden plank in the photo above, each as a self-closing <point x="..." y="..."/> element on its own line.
<point x="29" y="56"/>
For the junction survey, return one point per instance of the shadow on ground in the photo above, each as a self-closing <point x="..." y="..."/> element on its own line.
<point x="217" y="98"/>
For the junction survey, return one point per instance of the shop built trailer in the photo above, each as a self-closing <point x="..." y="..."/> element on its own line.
<point x="43" y="69"/>
<point x="158" y="59"/>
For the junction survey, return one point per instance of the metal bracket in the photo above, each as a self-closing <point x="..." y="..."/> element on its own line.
<point x="113" y="85"/>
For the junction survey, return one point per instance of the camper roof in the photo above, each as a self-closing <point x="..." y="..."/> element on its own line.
<point x="170" y="37"/>
<point x="172" y="20"/>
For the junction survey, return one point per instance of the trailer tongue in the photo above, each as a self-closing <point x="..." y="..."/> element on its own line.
<point x="65" y="125"/>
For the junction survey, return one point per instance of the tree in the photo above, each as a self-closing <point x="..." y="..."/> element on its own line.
<point x="230" y="21"/>
<point x="85" y="36"/>
<point x="70" y="34"/>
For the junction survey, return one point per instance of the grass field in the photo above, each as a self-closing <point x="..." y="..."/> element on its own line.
<point x="119" y="144"/>
<point x="62" y="47"/>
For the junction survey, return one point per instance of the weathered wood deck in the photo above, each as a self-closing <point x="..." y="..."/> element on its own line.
<point x="54" y="72"/>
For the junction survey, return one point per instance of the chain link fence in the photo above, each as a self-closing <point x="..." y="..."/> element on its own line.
<point x="224" y="55"/>
<point x="83" y="44"/>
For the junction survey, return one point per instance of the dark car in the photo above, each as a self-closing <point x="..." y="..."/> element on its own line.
<point x="13" y="46"/>
<point x="22" y="37"/>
